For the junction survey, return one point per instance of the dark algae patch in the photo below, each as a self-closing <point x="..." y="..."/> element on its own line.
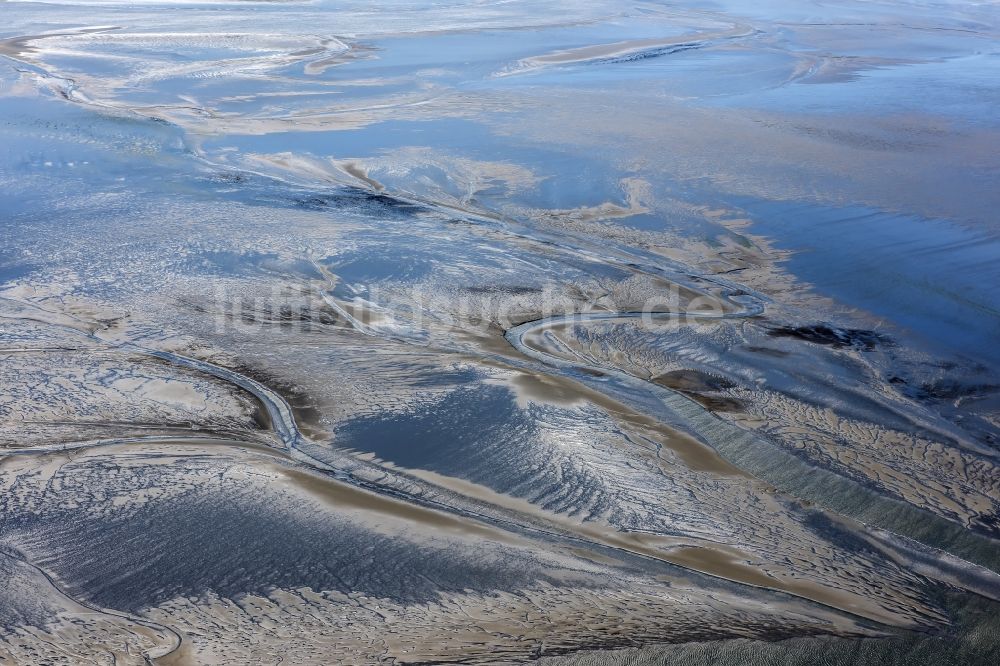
<point x="830" y="336"/>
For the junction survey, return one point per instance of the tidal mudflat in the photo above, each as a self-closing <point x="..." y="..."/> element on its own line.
<point x="489" y="332"/>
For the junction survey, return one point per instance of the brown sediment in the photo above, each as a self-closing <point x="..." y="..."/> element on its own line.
<point x="356" y="170"/>
<point x="559" y="390"/>
<point x="491" y="340"/>
<point x="343" y="496"/>
<point x="692" y="380"/>
<point x="714" y="403"/>
<point x="321" y="486"/>
<point x="363" y="314"/>
<point x="543" y="388"/>
<point x="307" y="416"/>
<point x="599" y="533"/>
<point x="714" y="559"/>
<point x="731" y="564"/>
<point x="695" y="455"/>
<point x="697" y="385"/>
<point x="721" y="561"/>
<point x="304" y="626"/>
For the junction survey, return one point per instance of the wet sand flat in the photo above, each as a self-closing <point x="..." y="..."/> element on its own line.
<point x="523" y="332"/>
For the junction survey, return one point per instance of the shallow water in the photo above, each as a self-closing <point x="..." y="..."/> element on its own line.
<point x="327" y="327"/>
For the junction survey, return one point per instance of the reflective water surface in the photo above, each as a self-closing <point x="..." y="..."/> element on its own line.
<point x="499" y="332"/>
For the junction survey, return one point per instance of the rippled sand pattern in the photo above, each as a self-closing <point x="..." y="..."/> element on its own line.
<point x="499" y="332"/>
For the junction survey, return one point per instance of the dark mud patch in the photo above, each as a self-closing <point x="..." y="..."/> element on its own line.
<point x="518" y="318"/>
<point x="768" y="351"/>
<point x="715" y="403"/>
<point x="693" y="380"/>
<point x="374" y="203"/>
<point x="838" y="338"/>
<point x="304" y="409"/>
<point x="703" y="388"/>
